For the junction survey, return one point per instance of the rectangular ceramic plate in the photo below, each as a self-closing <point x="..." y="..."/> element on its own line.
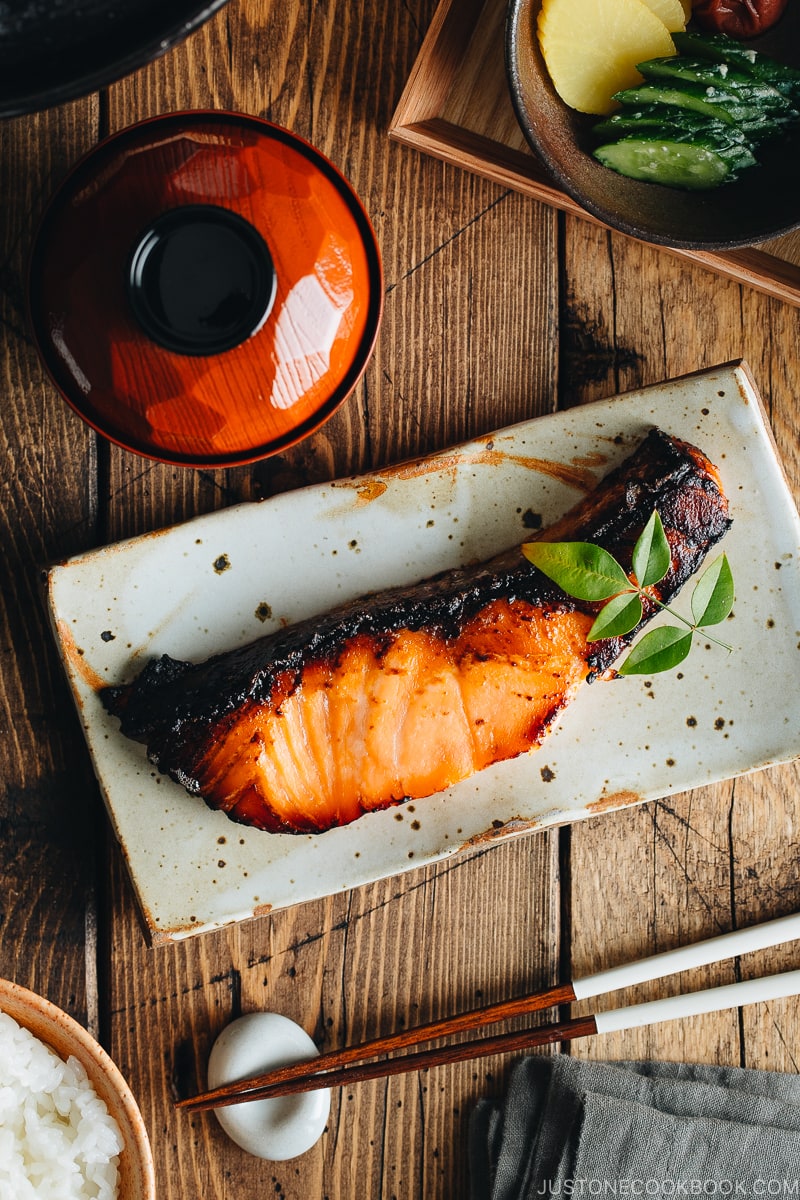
<point x="224" y="579"/>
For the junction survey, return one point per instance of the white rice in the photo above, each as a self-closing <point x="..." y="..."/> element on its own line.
<point x="57" y="1138"/>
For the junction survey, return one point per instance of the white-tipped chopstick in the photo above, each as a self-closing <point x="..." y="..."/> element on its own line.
<point x="340" y="1067"/>
<point x="692" y="1004"/>
<point x="685" y="958"/>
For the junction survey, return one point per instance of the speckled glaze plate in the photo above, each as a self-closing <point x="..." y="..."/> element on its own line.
<point x="227" y="578"/>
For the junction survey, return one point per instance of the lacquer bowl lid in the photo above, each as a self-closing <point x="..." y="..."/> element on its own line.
<point x="205" y="288"/>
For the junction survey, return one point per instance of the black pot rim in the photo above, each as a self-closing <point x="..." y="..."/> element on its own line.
<point x="94" y="71"/>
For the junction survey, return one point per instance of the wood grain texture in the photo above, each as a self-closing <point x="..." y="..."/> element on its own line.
<point x="392" y="953"/>
<point x="496" y="308"/>
<point x="682" y="869"/>
<point x="48" y="802"/>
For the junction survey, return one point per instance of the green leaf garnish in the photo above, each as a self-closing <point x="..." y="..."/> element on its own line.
<point x="581" y="569"/>
<point x="618" y="617"/>
<point x="651" y="554"/>
<point x="659" y="650"/>
<point x="712" y="598"/>
<point x="589" y="572"/>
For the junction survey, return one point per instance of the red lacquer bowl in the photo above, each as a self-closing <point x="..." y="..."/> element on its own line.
<point x="205" y="289"/>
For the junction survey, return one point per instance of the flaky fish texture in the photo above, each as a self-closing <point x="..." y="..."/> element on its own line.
<point x="408" y="691"/>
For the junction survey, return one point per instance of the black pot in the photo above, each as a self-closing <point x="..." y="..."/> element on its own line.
<point x="56" y="50"/>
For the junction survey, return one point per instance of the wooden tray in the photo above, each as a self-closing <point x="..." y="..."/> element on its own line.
<point x="456" y="106"/>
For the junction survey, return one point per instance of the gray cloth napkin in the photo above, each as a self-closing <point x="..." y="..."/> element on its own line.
<point x="574" y="1129"/>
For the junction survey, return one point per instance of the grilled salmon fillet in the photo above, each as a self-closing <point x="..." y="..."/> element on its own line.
<point x="407" y="691"/>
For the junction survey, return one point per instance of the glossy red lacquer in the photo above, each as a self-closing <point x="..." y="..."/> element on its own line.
<point x="278" y="384"/>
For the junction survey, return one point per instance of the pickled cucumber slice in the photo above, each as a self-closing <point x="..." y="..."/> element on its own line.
<point x="715" y="102"/>
<point x="667" y="121"/>
<point x="696" y="166"/>
<point x="716" y="47"/>
<point x="720" y="75"/>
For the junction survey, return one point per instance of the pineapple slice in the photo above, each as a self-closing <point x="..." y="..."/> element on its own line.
<point x="591" y="47"/>
<point x="671" y="12"/>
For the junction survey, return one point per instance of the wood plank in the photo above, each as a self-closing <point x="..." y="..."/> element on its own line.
<point x="763" y="821"/>
<point x="48" y="801"/>
<point x="471" y="104"/>
<point x="678" y="870"/>
<point x="497" y="307"/>
<point x="409" y="948"/>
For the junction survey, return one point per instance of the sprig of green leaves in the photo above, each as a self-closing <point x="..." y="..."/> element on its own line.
<point x="589" y="572"/>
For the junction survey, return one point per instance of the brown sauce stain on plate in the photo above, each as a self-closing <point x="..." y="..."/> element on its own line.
<point x="500" y="829"/>
<point x="595" y="459"/>
<point x="614" y="800"/>
<point x="370" y="489"/>
<point x="76" y="660"/>
<point x="577" y="475"/>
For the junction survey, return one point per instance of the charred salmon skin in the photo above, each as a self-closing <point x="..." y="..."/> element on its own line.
<point x="407" y="691"/>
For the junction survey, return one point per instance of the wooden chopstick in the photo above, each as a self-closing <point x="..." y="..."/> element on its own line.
<point x="312" y="1078"/>
<point x="340" y="1067"/>
<point x="445" y="1027"/>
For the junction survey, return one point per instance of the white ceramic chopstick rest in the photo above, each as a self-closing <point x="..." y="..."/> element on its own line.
<point x="272" y="1129"/>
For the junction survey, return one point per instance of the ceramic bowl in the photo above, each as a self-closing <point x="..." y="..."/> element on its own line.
<point x="205" y="288"/>
<point x="762" y="204"/>
<point x="66" y="1037"/>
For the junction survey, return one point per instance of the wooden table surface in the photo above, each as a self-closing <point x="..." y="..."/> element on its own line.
<point x="497" y="308"/>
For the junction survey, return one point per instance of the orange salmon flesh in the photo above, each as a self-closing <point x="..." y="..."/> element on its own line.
<point x="406" y="692"/>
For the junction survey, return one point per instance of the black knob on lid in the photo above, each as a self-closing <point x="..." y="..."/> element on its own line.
<point x="201" y="280"/>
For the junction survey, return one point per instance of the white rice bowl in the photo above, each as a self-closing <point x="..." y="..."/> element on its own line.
<point x="58" y="1140"/>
